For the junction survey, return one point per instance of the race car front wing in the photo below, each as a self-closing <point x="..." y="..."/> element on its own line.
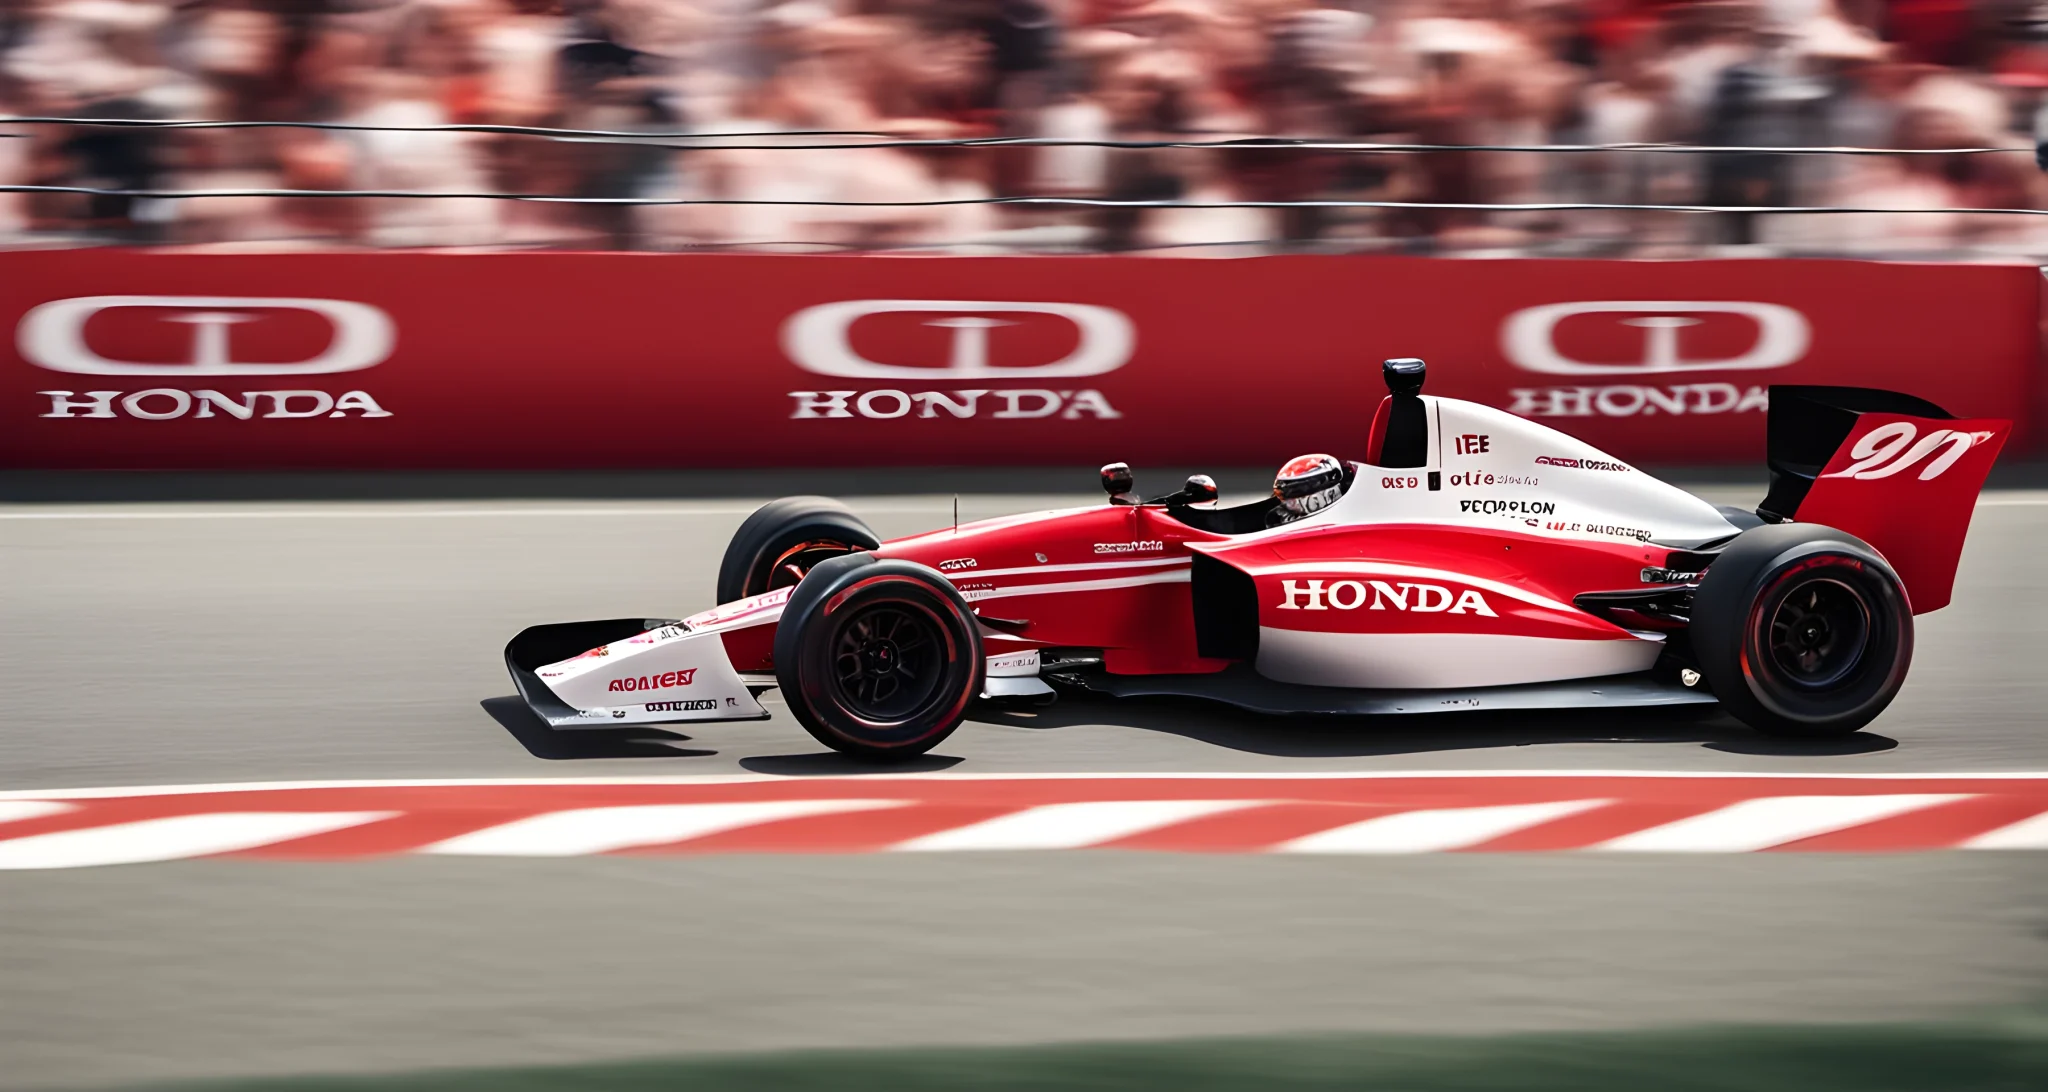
<point x="627" y="671"/>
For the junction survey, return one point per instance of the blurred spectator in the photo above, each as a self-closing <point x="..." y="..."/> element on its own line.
<point x="699" y="107"/>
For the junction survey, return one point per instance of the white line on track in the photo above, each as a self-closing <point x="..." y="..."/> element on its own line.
<point x="2029" y="833"/>
<point x="1432" y="830"/>
<point x="601" y="830"/>
<point x="13" y="810"/>
<point x="1071" y="826"/>
<point x="349" y="511"/>
<point x="173" y="838"/>
<point x="1770" y="821"/>
<point x="947" y="775"/>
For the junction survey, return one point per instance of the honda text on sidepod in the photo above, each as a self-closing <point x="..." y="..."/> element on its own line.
<point x="1473" y="560"/>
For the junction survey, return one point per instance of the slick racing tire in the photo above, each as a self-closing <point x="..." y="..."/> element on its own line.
<point x="1802" y="630"/>
<point x="878" y="659"/>
<point x="780" y="542"/>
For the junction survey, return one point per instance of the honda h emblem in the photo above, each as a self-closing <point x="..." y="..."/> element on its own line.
<point x="52" y="335"/>
<point x="1528" y="337"/>
<point x="816" y="339"/>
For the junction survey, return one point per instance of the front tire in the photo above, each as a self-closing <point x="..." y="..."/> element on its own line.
<point x="878" y="659"/>
<point x="1802" y="630"/>
<point x="783" y="540"/>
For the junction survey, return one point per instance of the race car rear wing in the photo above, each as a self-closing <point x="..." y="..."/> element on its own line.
<point x="1899" y="472"/>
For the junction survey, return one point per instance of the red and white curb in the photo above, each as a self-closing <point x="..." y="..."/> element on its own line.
<point x="1313" y="814"/>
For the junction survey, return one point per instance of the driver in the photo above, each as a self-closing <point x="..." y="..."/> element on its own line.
<point x="1306" y="485"/>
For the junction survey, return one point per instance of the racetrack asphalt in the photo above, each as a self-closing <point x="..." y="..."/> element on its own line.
<point x="221" y="642"/>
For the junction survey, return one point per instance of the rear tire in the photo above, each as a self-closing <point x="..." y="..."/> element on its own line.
<point x="1802" y="630"/>
<point x="783" y="539"/>
<point x="878" y="659"/>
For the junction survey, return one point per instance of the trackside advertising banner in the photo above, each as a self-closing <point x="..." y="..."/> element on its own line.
<point x="163" y="360"/>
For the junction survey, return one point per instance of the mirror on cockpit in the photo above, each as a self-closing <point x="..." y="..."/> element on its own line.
<point x="1117" y="481"/>
<point x="1200" y="489"/>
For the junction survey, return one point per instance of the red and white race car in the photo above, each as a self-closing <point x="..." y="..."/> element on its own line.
<point x="1472" y="560"/>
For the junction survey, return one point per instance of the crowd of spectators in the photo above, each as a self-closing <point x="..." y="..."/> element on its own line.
<point x="748" y="79"/>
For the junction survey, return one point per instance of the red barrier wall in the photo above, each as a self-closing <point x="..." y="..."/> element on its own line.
<point x="591" y="360"/>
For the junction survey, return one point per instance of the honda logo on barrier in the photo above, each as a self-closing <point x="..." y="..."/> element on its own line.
<point x="816" y="338"/>
<point x="1528" y="337"/>
<point x="52" y="335"/>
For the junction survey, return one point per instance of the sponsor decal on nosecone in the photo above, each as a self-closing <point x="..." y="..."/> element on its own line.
<point x="663" y="681"/>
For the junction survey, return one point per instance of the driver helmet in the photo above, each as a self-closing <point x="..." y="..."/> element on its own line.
<point x="1308" y="484"/>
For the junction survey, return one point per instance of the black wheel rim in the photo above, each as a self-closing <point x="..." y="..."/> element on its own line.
<point x="888" y="660"/>
<point x="1818" y="633"/>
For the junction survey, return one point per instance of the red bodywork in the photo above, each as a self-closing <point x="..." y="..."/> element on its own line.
<point x="1116" y="578"/>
